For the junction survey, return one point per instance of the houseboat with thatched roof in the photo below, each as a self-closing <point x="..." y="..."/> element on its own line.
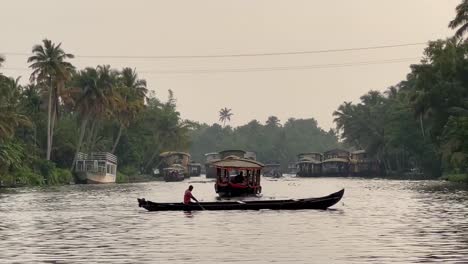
<point x="309" y="164"/>
<point x="336" y="162"/>
<point x="210" y="170"/>
<point x="362" y="165"/>
<point x="237" y="176"/>
<point x="96" y="167"/>
<point x="170" y="158"/>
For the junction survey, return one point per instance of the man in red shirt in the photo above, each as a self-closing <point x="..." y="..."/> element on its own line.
<point x="188" y="195"/>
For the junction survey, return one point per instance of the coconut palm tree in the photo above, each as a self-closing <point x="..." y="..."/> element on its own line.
<point x="10" y="118"/>
<point x="133" y="93"/>
<point x="94" y="100"/>
<point x="50" y="67"/>
<point x="273" y="121"/>
<point x="461" y="19"/>
<point x="225" y="115"/>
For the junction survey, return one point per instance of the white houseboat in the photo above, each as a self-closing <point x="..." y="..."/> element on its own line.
<point x="96" y="167"/>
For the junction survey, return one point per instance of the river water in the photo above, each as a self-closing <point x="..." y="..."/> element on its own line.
<point x="378" y="221"/>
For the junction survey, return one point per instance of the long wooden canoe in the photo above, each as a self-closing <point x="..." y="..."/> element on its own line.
<point x="290" y="204"/>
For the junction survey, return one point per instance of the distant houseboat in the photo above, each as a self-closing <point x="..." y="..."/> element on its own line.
<point x="210" y="170"/>
<point x="170" y="158"/>
<point x="272" y="169"/>
<point x="194" y="169"/>
<point x="96" y="167"/>
<point x="293" y="168"/>
<point x="336" y="162"/>
<point x="362" y="165"/>
<point x="237" y="176"/>
<point x="174" y="173"/>
<point x="309" y="164"/>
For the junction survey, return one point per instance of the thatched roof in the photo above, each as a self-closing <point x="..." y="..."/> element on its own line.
<point x="236" y="162"/>
<point x="335" y="160"/>
<point x="170" y="153"/>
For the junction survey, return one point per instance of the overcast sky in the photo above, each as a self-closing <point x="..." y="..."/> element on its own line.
<point x="216" y="27"/>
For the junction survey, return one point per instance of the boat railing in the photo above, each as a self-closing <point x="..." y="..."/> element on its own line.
<point x="100" y="156"/>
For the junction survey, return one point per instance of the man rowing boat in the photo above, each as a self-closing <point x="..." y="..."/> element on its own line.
<point x="188" y="195"/>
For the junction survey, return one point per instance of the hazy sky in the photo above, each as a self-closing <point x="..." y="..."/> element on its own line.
<point x="213" y="27"/>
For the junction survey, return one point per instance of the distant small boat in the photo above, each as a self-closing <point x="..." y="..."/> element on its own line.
<point x="290" y="204"/>
<point x="174" y="173"/>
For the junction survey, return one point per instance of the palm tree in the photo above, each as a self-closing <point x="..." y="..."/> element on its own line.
<point x="10" y="118"/>
<point x="461" y="19"/>
<point x="225" y="115"/>
<point x="273" y="121"/>
<point x="50" y="67"/>
<point x="95" y="99"/>
<point x="133" y="93"/>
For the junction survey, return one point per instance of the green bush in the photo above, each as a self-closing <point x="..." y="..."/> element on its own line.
<point x="26" y="176"/>
<point x="121" y="178"/>
<point x="62" y="176"/>
<point x="456" y="177"/>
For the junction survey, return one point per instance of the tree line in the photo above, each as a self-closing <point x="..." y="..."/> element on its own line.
<point x="272" y="141"/>
<point x="64" y="110"/>
<point x="421" y="122"/>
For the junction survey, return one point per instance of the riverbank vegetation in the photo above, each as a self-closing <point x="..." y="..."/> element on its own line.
<point x="419" y="125"/>
<point x="422" y="122"/>
<point x="64" y="110"/>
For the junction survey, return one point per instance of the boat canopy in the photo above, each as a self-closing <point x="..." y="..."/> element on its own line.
<point x="335" y="160"/>
<point x="238" y="163"/>
<point x="170" y="153"/>
<point x="174" y="167"/>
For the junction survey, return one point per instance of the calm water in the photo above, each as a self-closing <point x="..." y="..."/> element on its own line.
<point x="378" y="221"/>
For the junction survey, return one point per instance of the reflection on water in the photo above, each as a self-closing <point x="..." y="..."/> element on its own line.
<point x="381" y="221"/>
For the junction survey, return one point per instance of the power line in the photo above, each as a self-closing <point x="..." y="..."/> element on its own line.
<point x="233" y="55"/>
<point x="257" y="69"/>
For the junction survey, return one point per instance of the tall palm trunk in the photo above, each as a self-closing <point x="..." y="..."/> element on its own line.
<point x="421" y="123"/>
<point x="52" y="125"/>
<point x="49" y="117"/>
<point x="90" y="136"/>
<point x="117" y="139"/>
<point x="94" y="137"/>
<point x="84" y="123"/>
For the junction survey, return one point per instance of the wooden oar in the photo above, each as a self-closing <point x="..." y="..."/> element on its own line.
<point x="201" y="206"/>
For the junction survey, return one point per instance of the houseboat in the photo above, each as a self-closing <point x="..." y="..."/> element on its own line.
<point x="309" y="164"/>
<point x="194" y="169"/>
<point x="210" y="170"/>
<point x="272" y="169"/>
<point x="170" y="158"/>
<point x="237" y="176"/>
<point x="336" y="163"/>
<point x="174" y="173"/>
<point x="96" y="167"/>
<point x="362" y="165"/>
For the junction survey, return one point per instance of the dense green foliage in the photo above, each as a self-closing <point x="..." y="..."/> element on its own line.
<point x="271" y="142"/>
<point x="420" y="123"/>
<point x="63" y="111"/>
